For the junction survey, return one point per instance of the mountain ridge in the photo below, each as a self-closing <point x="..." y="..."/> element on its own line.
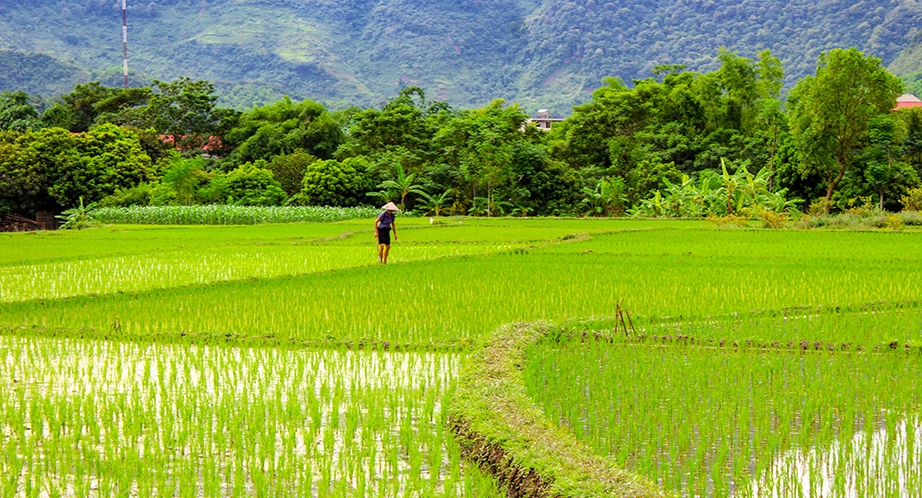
<point x="540" y="53"/>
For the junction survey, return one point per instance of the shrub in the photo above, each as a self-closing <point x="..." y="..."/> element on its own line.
<point x="184" y="177"/>
<point x="136" y="196"/>
<point x="772" y="220"/>
<point x="912" y="201"/>
<point x="253" y="185"/>
<point x="817" y="207"/>
<point x="862" y="207"/>
<point x="911" y="218"/>
<point x="289" y="170"/>
<point x="335" y="183"/>
<point x="894" y="222"/>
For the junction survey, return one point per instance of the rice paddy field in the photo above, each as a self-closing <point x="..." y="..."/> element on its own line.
<point x="282" y="360"/>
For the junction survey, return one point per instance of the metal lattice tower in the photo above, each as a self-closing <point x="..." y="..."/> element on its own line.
<point x="125" y="39"/>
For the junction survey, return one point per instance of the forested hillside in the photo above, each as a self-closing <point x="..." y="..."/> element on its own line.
<point x="542" y="53"/>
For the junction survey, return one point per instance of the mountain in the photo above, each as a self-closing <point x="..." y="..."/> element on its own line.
<point x="540" y="53"/>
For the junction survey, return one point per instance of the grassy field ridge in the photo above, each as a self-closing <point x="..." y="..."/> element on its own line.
<point x="501" y="429"/>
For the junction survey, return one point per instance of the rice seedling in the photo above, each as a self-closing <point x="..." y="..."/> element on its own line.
<point x="113" y="419"/>
<point x="119" y="240"/>
<point x="743" y="422"/>
<point x="127" y="260"/>
<point x="362" y="416"/>
<point x="202" y="265"/>
<point x="449" y="302"/>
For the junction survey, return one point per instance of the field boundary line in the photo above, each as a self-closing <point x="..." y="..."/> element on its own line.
<point x="729" y="345"/>
<point x="504" y="432"/>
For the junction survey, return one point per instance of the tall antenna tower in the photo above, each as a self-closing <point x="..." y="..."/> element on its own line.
<point x="125" y="39"/>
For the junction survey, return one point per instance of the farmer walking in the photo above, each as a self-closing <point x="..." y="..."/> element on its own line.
<point x="384" y="223"/>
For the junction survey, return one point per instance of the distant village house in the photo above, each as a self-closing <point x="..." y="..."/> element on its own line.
<point x="906" y="101"/>
<point x="544" y="120"/>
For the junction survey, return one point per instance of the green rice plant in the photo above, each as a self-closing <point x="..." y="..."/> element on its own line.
<point x="754" y="422"/>
<point x="135" y="259"/>
<point x="55" y="246"/>
<point x="203" y="265"/>
<point x="120" y="418"/>
<point x="450" y="302"/>
<point x="365" y="417"/>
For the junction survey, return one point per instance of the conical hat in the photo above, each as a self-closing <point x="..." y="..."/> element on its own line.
<point x="390" y="206"/>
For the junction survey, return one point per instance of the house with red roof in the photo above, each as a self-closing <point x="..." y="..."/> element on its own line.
<point x="907" y="100"/>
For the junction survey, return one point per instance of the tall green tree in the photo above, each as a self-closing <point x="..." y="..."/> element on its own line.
<point x="184" y="176"/>
<point x="603" y="132"/>
<point x="185" y="110"/>
<point x="16" y="113"/>
<point x="51" y="169"/>
<point x="282" y="128"/>
<point x="484" y="146"/>
<point x="93" y="103"/>
<point x="336" y="183"/>
<point x="881" y="171"/>
<point x="289" y="170"/>
<point x="830" y="111"/>
<point x="403" y="131"/>
<point x="23" y="179"/>
<point x="911" y="121"/>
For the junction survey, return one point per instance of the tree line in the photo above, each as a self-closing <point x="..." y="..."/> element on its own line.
<point x="681" y="143"/>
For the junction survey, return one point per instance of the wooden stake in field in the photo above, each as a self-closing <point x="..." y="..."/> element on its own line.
<point x="620" y="324"/>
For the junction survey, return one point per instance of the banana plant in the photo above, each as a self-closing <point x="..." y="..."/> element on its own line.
<point x="522" y="211"/>
<point x="435" y="203"/>
<point x="702" y="199"/>
<point x="738" y="193"/>
<point x="78" y="218"/>
<point x="729" y="184"/>
<point x="777" y="202"/>
<point x="679" y="197"/>
<point x="605" y="199"/>
<point x="403" y="184"/>
<point x="652" y="207"/>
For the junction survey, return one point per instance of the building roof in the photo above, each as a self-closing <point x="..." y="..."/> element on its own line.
<point x="908" y="100"/>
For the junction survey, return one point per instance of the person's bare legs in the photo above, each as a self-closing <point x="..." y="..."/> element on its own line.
<point x="387" y="249"/>
<point x="381" y="253"/>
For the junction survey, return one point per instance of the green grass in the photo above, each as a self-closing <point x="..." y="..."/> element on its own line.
<point x="756" y="244"/>
<point x="501" y="429"/>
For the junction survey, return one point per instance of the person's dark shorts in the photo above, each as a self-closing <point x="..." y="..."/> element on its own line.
<point x="384" y="236"/>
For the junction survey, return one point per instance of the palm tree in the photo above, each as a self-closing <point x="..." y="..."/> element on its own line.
<point x="403" y="184"/>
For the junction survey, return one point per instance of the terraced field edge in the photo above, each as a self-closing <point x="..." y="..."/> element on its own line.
<point x="505" y="433"/>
